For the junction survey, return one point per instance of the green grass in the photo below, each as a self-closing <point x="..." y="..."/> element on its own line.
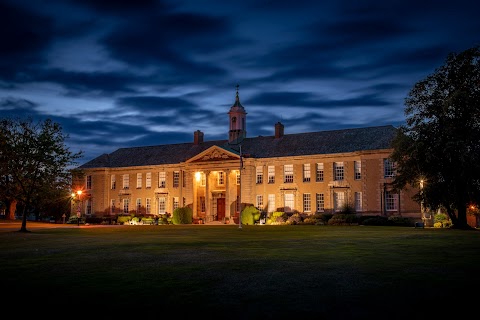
<point x="256" y="272"/>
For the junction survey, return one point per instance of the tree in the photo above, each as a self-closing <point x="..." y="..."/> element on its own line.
<point x="34" y="163"/>
<point x="438" y="149"/>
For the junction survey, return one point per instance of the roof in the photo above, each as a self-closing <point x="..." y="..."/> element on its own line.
<point x="299" y="144"/>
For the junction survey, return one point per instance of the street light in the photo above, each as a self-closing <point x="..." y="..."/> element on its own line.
<point x="79" y="194"/>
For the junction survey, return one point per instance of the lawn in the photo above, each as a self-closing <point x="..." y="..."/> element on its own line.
<point x="256" y="272"/>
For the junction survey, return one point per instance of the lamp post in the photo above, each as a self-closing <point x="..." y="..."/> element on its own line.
<point x="240" y="191"/>
<point x="422" y="210"/>
<point x="79" y="194"/>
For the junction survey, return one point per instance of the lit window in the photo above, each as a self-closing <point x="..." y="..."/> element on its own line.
<point x="289" y="202"/>
<point x="288" y="173"/>
<point x="339" y="201"/>
<point x="358" y="201"/>
<point x="259" y="202"/>
<point x="389" y="168"/>
<point x="176" y="179"/>
<point x="320" y="202"/>
<point x="307" y="202"/>
<point x="358" y="170"/>
<point x="271" y="203"/>
<point x="306" y="172"/>
<point x="271" y="174"/>
<point x="139" y="180"/>
<point x="126" y="204"/>
<point x="148" y="180"/>
<point x="113" y="184"/>
<point x="338" y="170"/>
<point x="162" y="205"/>
<point x="319" y="177"/>
<point x="391" y="201"/>
<point x="259" y="171"/>
<point x="148" y="206"/>
<point x="161" y="179"/>
<point x="126" y="181"/>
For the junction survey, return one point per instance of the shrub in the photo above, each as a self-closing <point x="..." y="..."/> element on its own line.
<point x="400" y="221"/>
<point x="250" y="214"/>
<point x="182" y="215"/>
<point x="343" y="219"/>
<point x="277" y="217"/>
<point x="375" y="221"/>
<point x="123" y="219"/>
<point x="295" y="218"/>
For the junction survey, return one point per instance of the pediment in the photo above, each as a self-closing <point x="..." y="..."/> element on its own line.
<point x="214" y="153"/>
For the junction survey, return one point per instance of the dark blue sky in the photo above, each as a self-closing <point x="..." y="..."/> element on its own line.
<point x="145" y="72"/>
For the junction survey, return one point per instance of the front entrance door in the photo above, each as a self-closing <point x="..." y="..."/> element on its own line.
<point x="220" y="209"/>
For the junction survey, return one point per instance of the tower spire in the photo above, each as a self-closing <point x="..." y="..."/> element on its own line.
<point x="238" y="125"/>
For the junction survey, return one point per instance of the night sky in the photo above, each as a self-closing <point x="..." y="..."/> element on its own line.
<point x="144" y="72"/>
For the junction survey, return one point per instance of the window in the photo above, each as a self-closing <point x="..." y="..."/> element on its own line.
<point x="389" y="168"/>
<point x="162" y="205"/>
<point x="148" y="206"/>
<point x="89" y="182"/>
<point x="202" y="204"/>
<point x="339" y="201"/>
<point x="358" y="201"/>
<point x="113" y="184"/>
<point x="139" y="180"/>
<point x="259" y="202"/>
<point x="175" y="203"/>
<point x="148" y="180"/>
<point x="161" y="179"/>
<point x="139" y="206"/>
<point x="238" y="177"/>
<point x="320" y="202"/>
<point x="288" y="173"/>
<point x="126" y="181"/>
<point x="306" y="172"/>
<point x="203" y="179"/>
<point x="338" y="170"/>
<point x="126" y="204"/>
<point x="176" y="179"/>
<point x="307" y="202"/>
<point x="184" y="179"/>
<point x="271" y="174"/>
<point x="319" y="177"/>
<point x="271" y="203"/>
<point x="112" y="206"/>
<point x="259" y="174"/>
<point x="88" y="207"/>
<point x="221" y="178"/>
<point x="289" y="202"/>
<point x="358" y="170"/>
<point x="391" y="201"/>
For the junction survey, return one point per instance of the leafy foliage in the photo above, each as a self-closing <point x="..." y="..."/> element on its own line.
<point x="34" y="164"/>
<point x="182" y="215"/>
<point x="439" y="147"/>
<point x="250" y="214"/>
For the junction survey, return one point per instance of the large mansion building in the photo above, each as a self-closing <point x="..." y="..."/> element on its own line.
<point x="310" y="172"/>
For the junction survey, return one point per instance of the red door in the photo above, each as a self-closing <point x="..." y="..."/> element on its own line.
<point x="220" y="209"/>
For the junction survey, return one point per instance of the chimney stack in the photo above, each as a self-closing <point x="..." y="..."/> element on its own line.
<point x="278" y="130"/>
<point x="198" y="137"/>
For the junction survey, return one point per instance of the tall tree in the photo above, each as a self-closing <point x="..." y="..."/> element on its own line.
<point x="439" y="147"/>
<point x="33" y="161"/>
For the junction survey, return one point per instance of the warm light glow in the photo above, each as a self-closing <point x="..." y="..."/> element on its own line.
<point x="73" y="194"/>
<point x="198" y="175"/>
<point x="79" y="192"/>
<point x="421" y="184"/>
